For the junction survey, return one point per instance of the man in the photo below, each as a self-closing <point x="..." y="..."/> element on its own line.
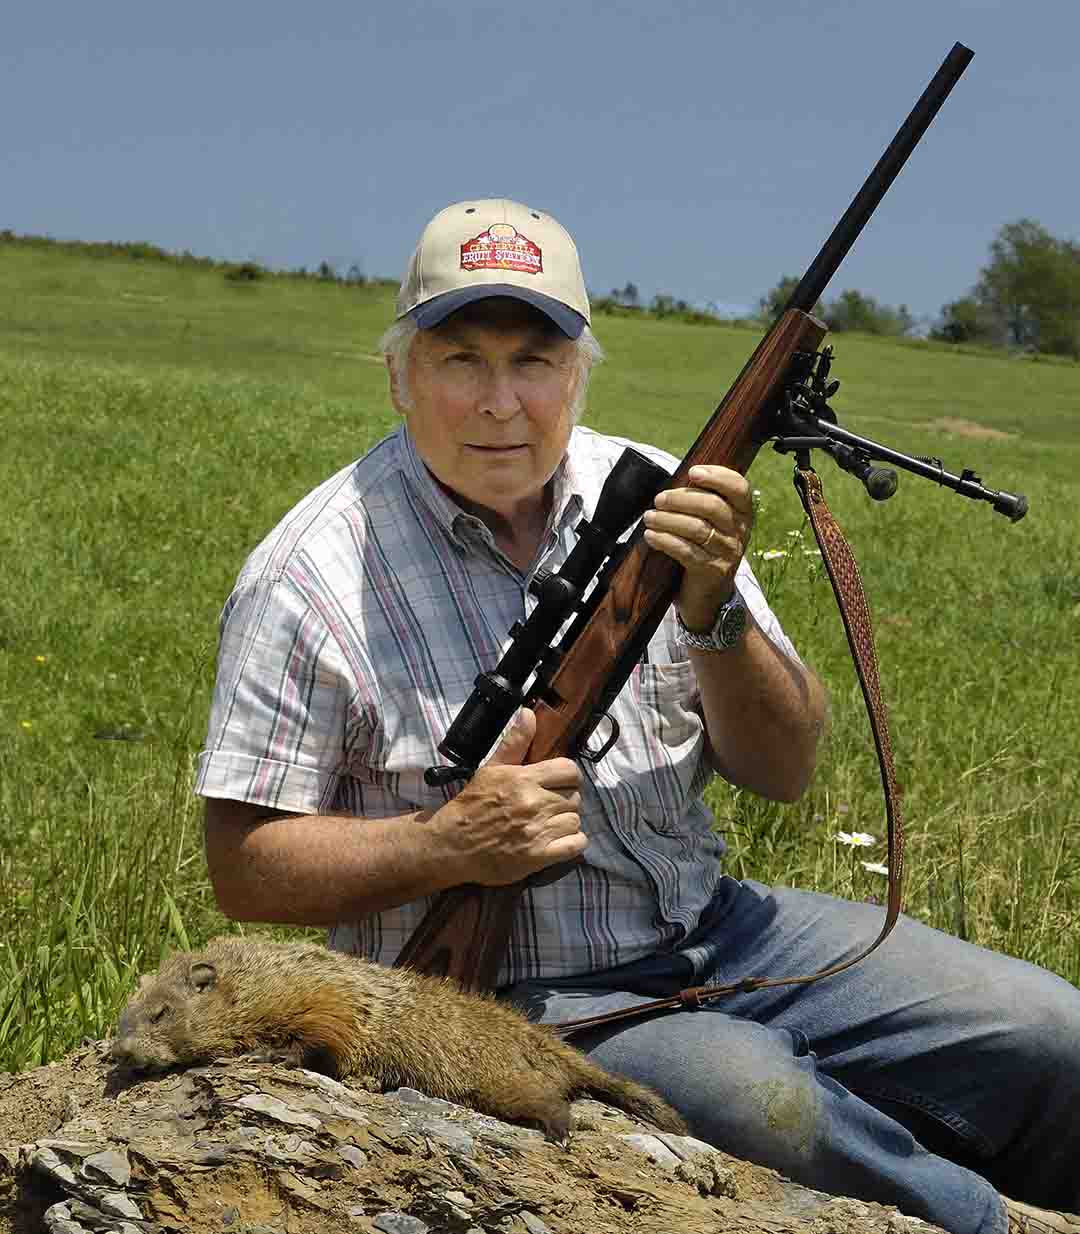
<point x="930" y="1076"/>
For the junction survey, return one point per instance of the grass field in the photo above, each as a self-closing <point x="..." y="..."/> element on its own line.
<point x="157" y="421"/>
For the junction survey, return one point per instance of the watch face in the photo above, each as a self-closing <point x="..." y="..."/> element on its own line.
<point x="732" y="624"/>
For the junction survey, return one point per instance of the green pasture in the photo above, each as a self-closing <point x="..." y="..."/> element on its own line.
<point x="157" y="421"/>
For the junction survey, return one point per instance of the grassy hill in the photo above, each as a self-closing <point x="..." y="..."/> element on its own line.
<point x="158" y="419"/>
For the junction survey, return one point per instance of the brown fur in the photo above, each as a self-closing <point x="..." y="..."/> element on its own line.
<point x="345" y="1016"/>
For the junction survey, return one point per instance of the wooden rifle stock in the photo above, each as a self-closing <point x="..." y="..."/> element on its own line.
<point x="465" y="934"/>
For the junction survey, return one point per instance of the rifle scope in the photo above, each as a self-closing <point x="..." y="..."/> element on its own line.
<point x="628" y="491"/>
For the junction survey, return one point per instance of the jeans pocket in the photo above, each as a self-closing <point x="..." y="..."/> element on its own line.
<point x="800" y="1043"/>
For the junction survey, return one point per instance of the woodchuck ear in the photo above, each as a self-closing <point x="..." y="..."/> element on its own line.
<point x="203" y="977"/>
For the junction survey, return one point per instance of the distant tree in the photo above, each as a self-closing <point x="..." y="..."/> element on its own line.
<point x="245" y="272"/>
<point x="627" y="296"/>
<point x="664" y="305"/>
<point x="355" y="274"/>
<point x="1031" y="288"/>
<point x="966" y="321"/>
<point x="774" y="303"/>
<point x="326" y="271"/>
<point x="854" y="310"/>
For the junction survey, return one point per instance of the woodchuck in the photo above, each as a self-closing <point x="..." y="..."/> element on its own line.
<point x="344" y="1016"/>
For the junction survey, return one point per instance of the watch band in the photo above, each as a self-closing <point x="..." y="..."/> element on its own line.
<point x="726" y="631"/>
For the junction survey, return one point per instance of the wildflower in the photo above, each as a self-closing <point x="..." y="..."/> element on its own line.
<point x="40" y="659"/>
<point x="771" y="554"/>
<point x="795" y="535"/>
<point x="27" y="724"/>
<point x="855" y="839"/>
<point x="811" y="552"/>
<point x="875" y="867"/>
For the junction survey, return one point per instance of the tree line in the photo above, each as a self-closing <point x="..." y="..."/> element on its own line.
<point x="1026" y="296"/>
<point x="241" y="272"/>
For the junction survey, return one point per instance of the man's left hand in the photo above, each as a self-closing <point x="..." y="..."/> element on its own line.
<point x="706" y="529"/>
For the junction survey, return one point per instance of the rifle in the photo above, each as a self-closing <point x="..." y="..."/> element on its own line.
<point x="780" y="395"/>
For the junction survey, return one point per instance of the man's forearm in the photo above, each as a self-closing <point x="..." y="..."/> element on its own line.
<point x="320" y="869"/>
<point x="764" y="714"/>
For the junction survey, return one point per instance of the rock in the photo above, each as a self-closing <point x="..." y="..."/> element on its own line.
<point x="242" y="1147"/>
<point x="271" y="1107"/>
<point x="356" y="1157"/>
<point x="654" y="1148"/>
<point x="709" y="1175"/>
<point x="399" y="1223"/>
<point x="534" y="1225"/>
<point x="109" y="1165"/>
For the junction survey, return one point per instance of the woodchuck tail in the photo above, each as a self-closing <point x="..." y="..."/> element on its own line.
<point x="633" y="1098"/>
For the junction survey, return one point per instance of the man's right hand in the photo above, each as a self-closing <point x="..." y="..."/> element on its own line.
<point x="512" y="819"/>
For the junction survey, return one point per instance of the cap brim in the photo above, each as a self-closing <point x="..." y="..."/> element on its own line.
<point x="437" y="309"/>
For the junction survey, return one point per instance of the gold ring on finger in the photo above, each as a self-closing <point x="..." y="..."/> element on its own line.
<point x="708" y="539"/>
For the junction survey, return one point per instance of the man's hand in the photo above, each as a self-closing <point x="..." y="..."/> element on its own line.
<point x="706" y="529"/>
<point x="511" y="820"/>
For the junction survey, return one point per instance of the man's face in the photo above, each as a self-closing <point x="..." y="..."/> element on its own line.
<point x="492" y="390"/>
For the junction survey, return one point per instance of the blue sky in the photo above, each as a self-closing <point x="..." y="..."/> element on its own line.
<point x="701" y="149"/>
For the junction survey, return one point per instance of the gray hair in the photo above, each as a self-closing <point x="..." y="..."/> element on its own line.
<point x="397" y="341"/>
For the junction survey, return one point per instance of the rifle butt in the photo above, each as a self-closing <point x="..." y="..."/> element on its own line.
<point x="464" y="935"/>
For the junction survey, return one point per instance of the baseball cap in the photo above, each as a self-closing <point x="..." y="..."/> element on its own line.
<point x="495" y="247"/>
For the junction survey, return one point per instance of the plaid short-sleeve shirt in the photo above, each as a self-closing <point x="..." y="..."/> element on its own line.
<point x="352" y="638"/>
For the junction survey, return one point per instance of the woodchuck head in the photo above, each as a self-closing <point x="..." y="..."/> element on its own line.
<point x="246" y="995"/>
<point x="178" y="1015"/>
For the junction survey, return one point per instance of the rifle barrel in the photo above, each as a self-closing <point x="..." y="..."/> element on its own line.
<point x="845" y="233"/>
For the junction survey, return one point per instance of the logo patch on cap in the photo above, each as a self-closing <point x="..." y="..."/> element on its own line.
<point x="502" y="247"/>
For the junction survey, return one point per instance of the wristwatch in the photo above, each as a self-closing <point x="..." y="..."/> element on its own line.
<point x="728" y="628"/>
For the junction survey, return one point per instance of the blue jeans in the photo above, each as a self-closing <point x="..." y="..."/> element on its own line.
<point x="931" y="1076"/>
